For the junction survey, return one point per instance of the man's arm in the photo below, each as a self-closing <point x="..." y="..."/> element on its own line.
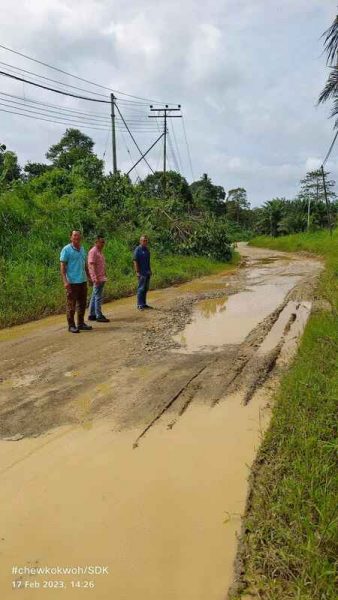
<point x="136" y="263"/>
<point x="91" y="267"/>
<point x="136" y="268"/>
<point x="63" y="270"/>
<point x="90" y="280"/>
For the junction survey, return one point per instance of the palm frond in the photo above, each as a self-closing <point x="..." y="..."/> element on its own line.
<point x="331" y="87"/>
<point x="331" y="42"/>
<point x="334" y="111"/>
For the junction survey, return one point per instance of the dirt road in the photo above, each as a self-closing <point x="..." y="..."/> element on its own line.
<point x="110" y="452"/>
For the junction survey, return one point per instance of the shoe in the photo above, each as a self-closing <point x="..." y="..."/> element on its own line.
<point x="147" y="306"/>
<point x="84" y="327"/>
<point x="73" y="329"/>
<point x="140" y="307"/>
<point x="102" y="319"/>
<point x="91" y="318"/>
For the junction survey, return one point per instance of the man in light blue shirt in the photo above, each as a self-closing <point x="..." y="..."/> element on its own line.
<point x="74" y="273"/>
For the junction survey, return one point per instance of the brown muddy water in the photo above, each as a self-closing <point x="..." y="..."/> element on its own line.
<point x="162" y="517"/>
<point x="220" y="321"/>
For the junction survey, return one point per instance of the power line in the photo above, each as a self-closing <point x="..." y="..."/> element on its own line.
<point x="106" y="144"/>
<point x="55" y="120"/>
<point x="76" y="76"/>
<point x="96" y="117"/>
<point x="69" y="85"/>
<point x="51" y="121"/>
<point x="129" y="152"/>
<point x="54" y="112"/>
<point x="177" y="148"/>
<point x="63" y="119"/>
<point x="159" y="156"/>
<point x="331" y="148"/>
<point x="188" y="149"/>
<point x="39" y="85"/>
<point x="173" y="154"/>
<point x="132" y="137"/>
<point x="101" y="115"/>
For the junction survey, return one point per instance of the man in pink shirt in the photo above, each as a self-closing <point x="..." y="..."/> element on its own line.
<point x="97" y="270"/>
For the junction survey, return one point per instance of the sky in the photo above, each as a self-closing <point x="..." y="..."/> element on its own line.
<point x="246" y="72"/>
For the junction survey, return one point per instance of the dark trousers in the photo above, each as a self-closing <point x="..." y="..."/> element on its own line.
<point x="142" y="288"/>
<point x="76" y="302"/>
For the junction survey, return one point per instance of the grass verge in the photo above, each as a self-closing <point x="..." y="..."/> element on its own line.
<point x="31" y="290"/>
<point x="289" y="544"/>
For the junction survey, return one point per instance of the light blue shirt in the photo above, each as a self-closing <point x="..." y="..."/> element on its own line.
<point x="75" y="261"/>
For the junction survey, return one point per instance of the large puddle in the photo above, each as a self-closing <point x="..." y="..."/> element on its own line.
<point x="162" y="518"/>
<point x="229" y="320"/>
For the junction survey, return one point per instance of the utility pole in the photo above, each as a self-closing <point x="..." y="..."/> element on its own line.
<point x="165" y="144"/>
<point x="113" y="133"/>
<point x="309" y="205"/>
<point x="164" y="115"/>
<point x="327" y="202"/>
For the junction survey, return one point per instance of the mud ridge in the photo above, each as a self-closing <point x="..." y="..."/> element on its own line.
<point x="167" y="406"/>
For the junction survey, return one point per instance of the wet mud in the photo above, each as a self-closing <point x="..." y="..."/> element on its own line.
<point x="129" y="445"/>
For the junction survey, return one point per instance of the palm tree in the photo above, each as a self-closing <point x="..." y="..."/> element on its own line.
<point x="331" y="48"/>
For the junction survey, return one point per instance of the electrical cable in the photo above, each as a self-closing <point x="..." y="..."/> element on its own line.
<point x="132" y="137"/>
<point x="63" y="120"/>
<point x="99" y="115"/>
<point x="160" y="155"/>
<point x="51" y="121"/>
<point x="69" y="119"/>
<point x="173" y="154"/>
<point x="13" y="68"/>
<point x="177" y="148"/>
<point x="39" y="85"/>
<point x="130" y="154"/>
<point x="106" y="143"/>
<point x="188" y="149"/>
<point x="68" y="112"/>
<point x="331" y="148"/>
<point x="76" y="76"/>
<point x="57" y="113"/>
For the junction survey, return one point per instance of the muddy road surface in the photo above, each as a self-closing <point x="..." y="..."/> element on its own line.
<point x="129" y="447"/>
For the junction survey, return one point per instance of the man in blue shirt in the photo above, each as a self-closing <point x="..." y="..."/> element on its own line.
<point x="143" y="272"/>
<point x="74" y="273"/>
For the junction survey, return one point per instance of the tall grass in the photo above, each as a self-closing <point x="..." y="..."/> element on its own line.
<point x="289" y="548"/>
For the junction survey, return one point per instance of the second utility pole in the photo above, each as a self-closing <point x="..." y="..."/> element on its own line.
<point x="113" y="133"/>
<point x="165" y="116"/>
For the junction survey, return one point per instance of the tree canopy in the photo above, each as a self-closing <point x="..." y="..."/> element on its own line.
<point x="73" y="146"/>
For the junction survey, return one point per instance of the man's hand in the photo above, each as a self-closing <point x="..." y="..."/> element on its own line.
<point x="66" y="285"/>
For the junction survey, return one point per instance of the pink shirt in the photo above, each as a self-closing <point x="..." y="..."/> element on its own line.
<point x="96" y="265"/>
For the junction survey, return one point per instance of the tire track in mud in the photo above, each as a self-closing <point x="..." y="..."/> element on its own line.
<point x="247" y="363"/>
<point x="167" y="406"/>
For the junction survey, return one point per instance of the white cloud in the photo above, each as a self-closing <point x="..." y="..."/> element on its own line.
<point x="312" y="164"/>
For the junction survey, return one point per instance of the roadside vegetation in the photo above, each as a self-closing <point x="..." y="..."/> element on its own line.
<point x="189" y="232"/>
<point x="191" y="227"/>
<point x="289" y="546"/>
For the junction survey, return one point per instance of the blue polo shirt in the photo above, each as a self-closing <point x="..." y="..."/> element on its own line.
<point x="75" y="261"/>
<point x="142" y="257"/>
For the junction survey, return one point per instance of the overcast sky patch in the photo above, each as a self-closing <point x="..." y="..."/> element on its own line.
<point x="248" y="75"/>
